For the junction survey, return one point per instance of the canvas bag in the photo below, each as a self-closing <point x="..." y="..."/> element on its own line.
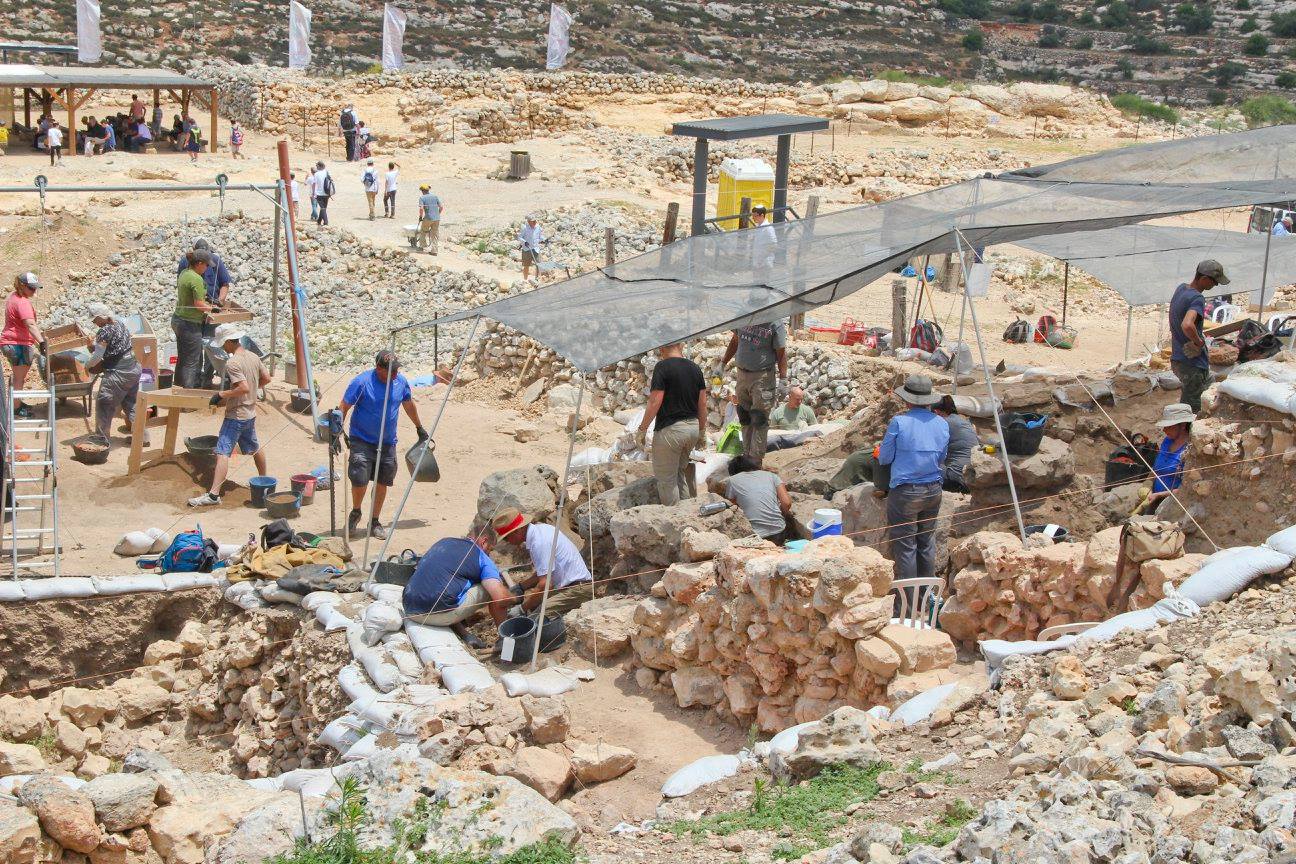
<point x="1144" y="541"/>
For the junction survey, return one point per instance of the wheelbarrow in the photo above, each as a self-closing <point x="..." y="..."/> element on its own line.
<point x="411" y="235"/>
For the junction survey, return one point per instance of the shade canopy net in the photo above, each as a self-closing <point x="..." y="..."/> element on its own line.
<point x="715" y="282"/>
<point x="1144" y="263"/>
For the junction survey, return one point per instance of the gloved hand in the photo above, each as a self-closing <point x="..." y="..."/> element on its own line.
<point x="781" y="389"/>
<point x="422" y="433"/>
<point x="216" y="399"/>
<point x="641" y="439"/>
<point x="44" y="346"/>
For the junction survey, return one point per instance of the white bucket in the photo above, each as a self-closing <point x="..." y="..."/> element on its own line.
<point x="827" y="522"/>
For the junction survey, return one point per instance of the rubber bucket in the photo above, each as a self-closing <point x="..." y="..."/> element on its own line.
<point x="1057" y="533"/>
<point x="827" y="522"/>
<point x="553" y="634"/>
<point x="304" y="485"/>
<point x="283" y="505"/>
<point x="517" y="639"/>
<point x="260" y="487"/>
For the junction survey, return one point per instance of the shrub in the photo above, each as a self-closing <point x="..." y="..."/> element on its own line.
<point x="1283" y="24"/>
<point x="1022" y="9"/>
<point x="1050" y="38"/>
<point x="1047" y="11"/>
<point x="974" y="40"/>
<point x="1226" y="72"/>
<point x="1126" y="69"/>
<point x="1256" y="45"/>
<point x="1242" y="5"/>
<point x="1117" y="15"/>
<point x="1268" y="110"/>
<point x="1084" y="43"/>
<point x="1286" y="80"/>
<point x="1216" y="97"/>
<point x="966" y="8"/>
<point x="1194" y="18"/>
<point x="1144" y="44"/>
<point x="1250" y="25"/>
<point x="1134" y="105"/>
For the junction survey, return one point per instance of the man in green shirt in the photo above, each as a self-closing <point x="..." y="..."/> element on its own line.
<point x="794" y="415"/>
<point x="187" y="320"/>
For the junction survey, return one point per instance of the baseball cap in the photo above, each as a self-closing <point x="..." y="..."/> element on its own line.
<point x="1212" y="269"/>
<point x="29" y="279"/>
<point x="386" y="359"/>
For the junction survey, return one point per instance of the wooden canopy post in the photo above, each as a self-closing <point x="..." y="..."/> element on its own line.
<point x="211" y="98"/>
<point x="27" y="94"/>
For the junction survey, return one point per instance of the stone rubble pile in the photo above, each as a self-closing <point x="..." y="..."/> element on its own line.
<point x="575" y="235"/>
<point x="776" y="639"/>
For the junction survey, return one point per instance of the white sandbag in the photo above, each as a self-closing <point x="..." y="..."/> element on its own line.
<point x="920" y="707"/>
<point x="385" y="676"/>
<point x="11" y="592"/>
<point x="109" y="586"/>
<point x="714" y="462"/>
<point x="244" y="595"/>
<point x="185" y="581"/>
<point x="976" y="406"/>
<point x="13" y="781"/>
<point x="134" y="543"/>
<point x="378" y="620"/>
<point x="62" y="587"/>
<point x="786" y="741"/>
<point x="316" y="599"/>
<point x="331" y="619"/>
<point x="272" y="593"/>
<point x="161" y="540"/>
<point x="1284" y="541"/>
<point x="1140" y="619"/>
<point x="312" y="782"/>
<point x="1230" y="570"/>
<point x="695" y="775"/>
<point x="879" y="712"/>
<point x="435" y="644"/>
<point x="403" y="655"/>
<point x="547" y="682"/>
<point x="591" y="456"/>
<point x="226" y="551"/>
<point x="362" y="749"/>
<point x="996" y="651"/>
<point x="342" y="732"/>
<point x="389" y="594"/>
<point x="1263" y="382"/>
<point x="467" y="676"/>
<point x="913" y="354"/>
<point x="515" y="684"/>
<point x="265" y="784"/>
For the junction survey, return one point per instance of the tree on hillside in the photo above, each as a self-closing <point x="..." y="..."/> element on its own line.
<point x="1256" y="45"/>
<point x="1194" y="18"/>
<point x="978" y="9"/>
<point x="1283" y="25"/>
<point x="974" y="40"/>
<point x="1117" y="15"/>
<point x="1250" y="25"/>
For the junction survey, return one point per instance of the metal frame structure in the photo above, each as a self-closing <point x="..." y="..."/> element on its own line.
<point x="72" y="87"/>
<point x="67" y="51"/>
<point x="780" y="126"/>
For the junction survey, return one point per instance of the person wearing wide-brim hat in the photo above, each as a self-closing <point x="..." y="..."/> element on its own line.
<point x="555" y="558"/>
<point x="915" y="447"/>
<point x="119" y="371"/>
<point x="246" y="374"/>
<point x="1167" y="471"/>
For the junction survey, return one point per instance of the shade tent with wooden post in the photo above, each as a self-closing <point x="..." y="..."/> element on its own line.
<point x="710" y="283"/>
<point x="70" y="87"/>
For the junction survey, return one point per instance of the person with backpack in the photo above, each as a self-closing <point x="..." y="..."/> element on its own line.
<point x="369" y="179"/>
<point x="236" y="141"/>
<point x="758" y="350"/>
<point x="324" y="190"/>
<point x="246" y="374"/>
<point x="915" y="447"/>
<point x="347" y="123"/>
<point x="1188" y="356"/>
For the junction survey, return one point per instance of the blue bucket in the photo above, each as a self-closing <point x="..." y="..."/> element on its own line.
<point x="260" y="487"/>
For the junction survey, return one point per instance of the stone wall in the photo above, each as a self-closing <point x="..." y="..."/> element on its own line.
<point x="775" y="639"/>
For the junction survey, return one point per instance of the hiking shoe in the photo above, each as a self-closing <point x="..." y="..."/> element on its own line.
<point x="353" y="522"/>
<point x="377" y="531"/>
<point x="206" y="499"/>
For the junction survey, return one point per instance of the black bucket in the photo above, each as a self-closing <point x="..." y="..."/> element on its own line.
<point x="517" y="639"/>
<point x="1020" y="439"/>
<point x="1059" y="535"/>
<point x="553" y="634"/>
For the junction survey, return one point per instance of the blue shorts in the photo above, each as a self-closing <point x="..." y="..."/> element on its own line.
<point x="18" y="355"/>
<point x="241" y="431"/>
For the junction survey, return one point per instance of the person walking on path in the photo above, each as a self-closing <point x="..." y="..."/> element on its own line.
<point x="119" y="375"/>
<point x="677" y="410"/>
<point x="247" y="374"/>
<point x="311" y="190"/>
<point x="236" y="140"/>
<point x="390" y="181"/>
<point x="556" y="560"/>
<point x="295" y="195"/>
<point x="758" y="350"/>
<point x="369" y="179"/>
<point x="324" y="190"/>
<point x="54" y="142"/>
<point x="430" y="210"/>
<point x="347" y="123"/>
<point x="21" y="335"/>
<point x="367" y="394"/>
<point x="915" y="446"/>
<point x="1188" y="356"/>
<point x="530" y="236"/>
<point x="189" y="317"/>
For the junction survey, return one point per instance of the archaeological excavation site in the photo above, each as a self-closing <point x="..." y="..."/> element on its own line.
<point x="889" y="470"/>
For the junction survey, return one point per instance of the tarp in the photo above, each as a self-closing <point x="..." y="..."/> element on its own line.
<point x="393" y="45"/>
<point x="299" y="24"/>
<point x="1144" y="263"/>
<point x="708" y="283"/>
<point x="89" y="41"/>
<point x="558" y="43"/>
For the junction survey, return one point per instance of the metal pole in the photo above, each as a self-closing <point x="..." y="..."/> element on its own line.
<point x="290" y="233"/>
<point x="148" y="187"/>
<point x="382" y="434"/>
<point x="701" y="152"/>
<point x="436" y="421"/>
<point x="282" y="197"/>
<point x="962" y="317"/>
<point x="558" y="514"/>
<point x="1066" y="281"/>
<point x="1264" y="271"/>
<point x="783" y="159"/>
<point x="1129" y="328"/>
<point x="994" y="405"/>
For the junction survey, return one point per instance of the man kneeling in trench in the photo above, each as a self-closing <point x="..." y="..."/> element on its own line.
<point x="557" y="562"/>
<point x="454" y="580"/>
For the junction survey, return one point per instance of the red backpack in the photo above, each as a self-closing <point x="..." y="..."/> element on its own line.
<point x="925" y="335"/>
<point x="1043" y="326"/>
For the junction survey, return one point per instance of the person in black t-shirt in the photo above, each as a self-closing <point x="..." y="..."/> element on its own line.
<point x="678" y="411"/>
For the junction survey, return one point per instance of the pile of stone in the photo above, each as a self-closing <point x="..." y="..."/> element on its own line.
<point x="355" y="291"/>
<point x="575" y="235"/>
<point x="775" y="639"/>
<point x="516" y="117"/>
<point x="1004" y="590"/>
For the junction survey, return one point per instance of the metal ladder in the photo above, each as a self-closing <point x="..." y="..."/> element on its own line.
<point x="30" y="486"/>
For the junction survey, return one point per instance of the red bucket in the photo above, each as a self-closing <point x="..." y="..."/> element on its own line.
<point x="305" y="485"/>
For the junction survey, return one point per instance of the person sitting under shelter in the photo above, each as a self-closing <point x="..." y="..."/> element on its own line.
<point x="762" y="497"/>
<point x="454" y="580"/>
<point x="557" y="562"/>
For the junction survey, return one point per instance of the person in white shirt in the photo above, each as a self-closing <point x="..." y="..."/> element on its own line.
<point x="322" y="192"/>
<point x="369" y="179"/>
<point x="54" y="141"/>
<point x="560" y="566"/>
<point x="294" y="194"/>
<point x="310" y="192"/>
<point x="389" y="189"/>
<point x="1283" y="227"/>
<point x="530" y="236"/>
<point x="764" y="241"/>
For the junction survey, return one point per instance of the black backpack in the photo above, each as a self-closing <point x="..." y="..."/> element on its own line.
<point x="329" y="188"/>
<point x="279" y="532"/>
<point x="1018" y="332"/>
<point x="347" y="121"/>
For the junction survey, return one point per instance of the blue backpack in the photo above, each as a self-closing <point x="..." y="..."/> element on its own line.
<point x="189" y="552"/>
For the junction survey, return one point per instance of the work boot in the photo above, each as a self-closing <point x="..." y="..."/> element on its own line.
<point x="353" y="522"/>
<point x="377" y="531"/>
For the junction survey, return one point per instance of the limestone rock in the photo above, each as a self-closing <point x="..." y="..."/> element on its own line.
<point x="19" y="759"/>
<point x="269" y="830"/>
<point x="140" y="698"/>
<point x="161" y="651"/>
<point x="70" y="739"/>
<point x="66" y="815"/>
<point x="600" y="762"/>
<point x="20" y="834"/>
<point x="603" y="626"/>
<point x="1191" y="780"/>
<point x="695" y="686"/>
<point x="545" y="771"/>
<point x="548" y="720"/>
<point x="843" y="737"/>
<point x="1068" y="679"/>
<point x="530" y="490"/>
<point x="122" y="801"/>
<point x="877" y="656"/>
<point x="88" y="707"/>
<point x="192" y="639"/>
<point x="703" y="545"/>
<point x="920" y="650"/>
<point x="1051" y="466"/>
<point x="21" y="718"/>
<point x="655" y="533"/>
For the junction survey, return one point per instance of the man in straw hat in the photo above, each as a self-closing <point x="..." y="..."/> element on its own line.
<point x="246" y="375"/>
<point x="914" y="447"/>
<point x="119" y="372"/>
<point x="560" y="566"/>
<point x="1188" y="356"/>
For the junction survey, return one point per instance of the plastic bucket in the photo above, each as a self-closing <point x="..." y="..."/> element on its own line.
<point x="827" y="522"/>
<point x="517" y="639"/>
<point x="304" y="485"/>
<point x="260" y="487"/>
<point x="553" y="634"/>
<point x="283" y="505"/>
<point x="1057" y="533"/>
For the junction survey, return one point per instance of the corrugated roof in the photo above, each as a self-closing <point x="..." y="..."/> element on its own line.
<point x="55" y="77"/>
<point x="733" y="128"/>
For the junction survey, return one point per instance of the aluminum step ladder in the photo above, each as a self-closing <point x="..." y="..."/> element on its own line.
<point x="30" y="537"/>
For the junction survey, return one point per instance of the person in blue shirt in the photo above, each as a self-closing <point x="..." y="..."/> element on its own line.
<point x="1188" y="356"/>
<point x="1283" y="227"/>
<point x="367" y="393"/>
<point x="453" y="581"/>
<point x="1167" y="471"/>
<point x="915" y="446"/>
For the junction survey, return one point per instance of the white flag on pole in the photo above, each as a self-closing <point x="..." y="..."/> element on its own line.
<point x="299" y="21"/>
<point x="89" y="42"/>
<point x="393" y="53"/>
<point x="558" y="44"/>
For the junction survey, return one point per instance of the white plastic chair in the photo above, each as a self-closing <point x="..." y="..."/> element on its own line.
<point x="1048" y="634"/>
<point x="1277" y="322"/>
<point x="1225" y="313"/>
<point x="919" y="601"/>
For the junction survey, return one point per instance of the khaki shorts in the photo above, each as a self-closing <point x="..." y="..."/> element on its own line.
<point x="473" y="602"/>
